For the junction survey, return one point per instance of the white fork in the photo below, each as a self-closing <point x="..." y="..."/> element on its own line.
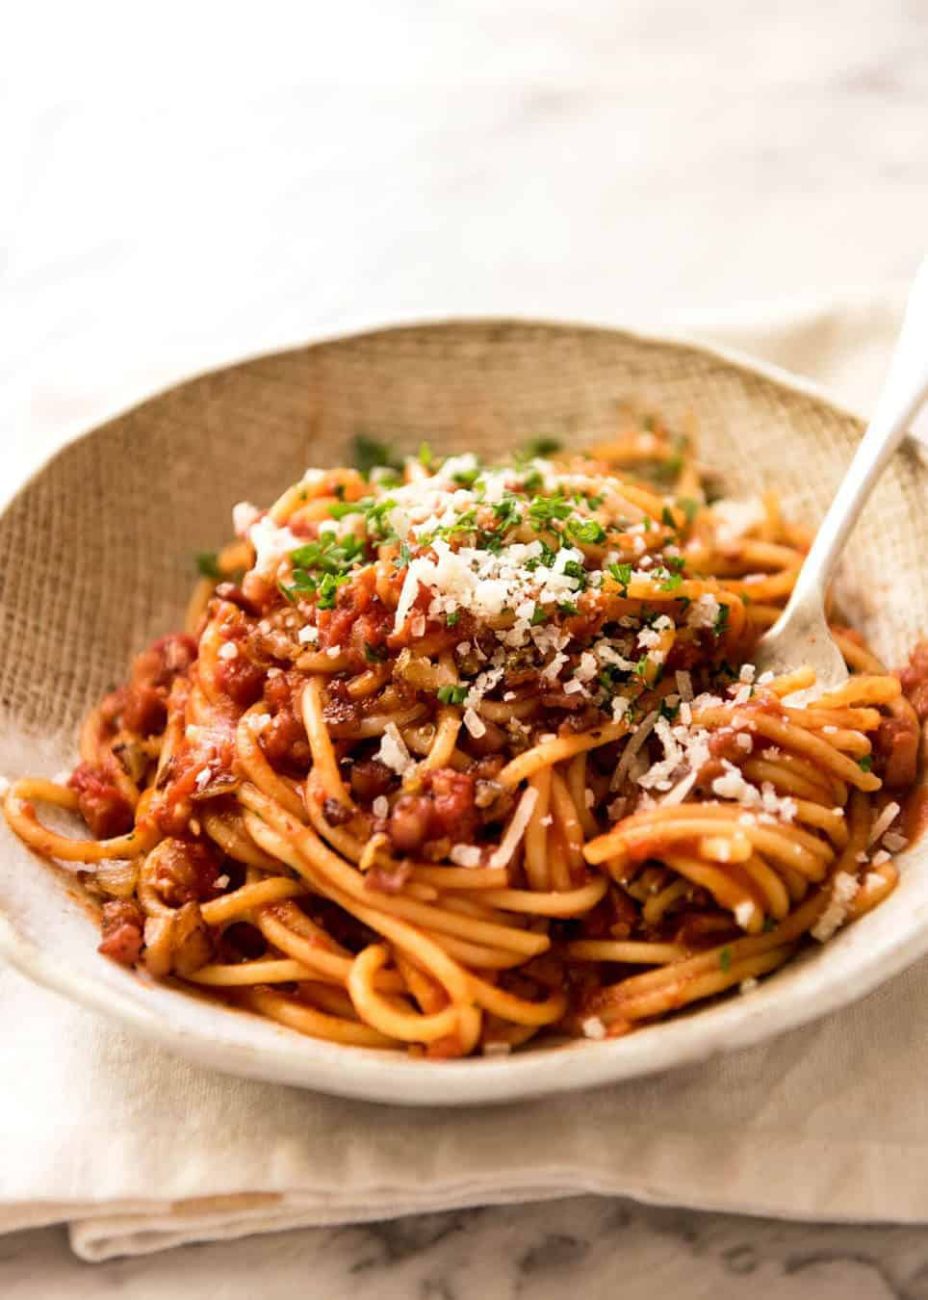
<point x="800" y="636"/>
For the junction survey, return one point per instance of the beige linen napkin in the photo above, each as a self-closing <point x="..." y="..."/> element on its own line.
<point x="138" y="1151"/>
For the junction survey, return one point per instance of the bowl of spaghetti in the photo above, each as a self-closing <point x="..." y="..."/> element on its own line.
<point x="453" y="780"/>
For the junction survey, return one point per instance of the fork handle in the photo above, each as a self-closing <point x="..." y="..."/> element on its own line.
<point x="903" y="392"/>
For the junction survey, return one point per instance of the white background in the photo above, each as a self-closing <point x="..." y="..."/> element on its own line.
<point x="182" y="184"/>
<point x="188" y="183"/>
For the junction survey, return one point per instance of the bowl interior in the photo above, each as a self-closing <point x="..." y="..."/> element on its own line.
<point x="96" y="559"/>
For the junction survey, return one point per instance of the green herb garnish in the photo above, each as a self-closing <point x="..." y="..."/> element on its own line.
<point x="545" y="510"/>
<point x="367" y="454"/>
<point x="589" y="531"/>
<point x="622" y="574"/>
<point x="452" y="694"/>
<point x="328" y="587"/>
<point x="543" y="445"/>
<point x="207" y="563"/>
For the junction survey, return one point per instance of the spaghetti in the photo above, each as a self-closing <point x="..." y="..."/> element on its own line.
<point x="452" y="757"/>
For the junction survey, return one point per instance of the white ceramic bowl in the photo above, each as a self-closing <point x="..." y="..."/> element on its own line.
<point x="95" y="556"/>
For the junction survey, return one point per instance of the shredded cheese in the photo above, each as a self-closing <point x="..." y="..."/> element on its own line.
<point x="516" y="828"/>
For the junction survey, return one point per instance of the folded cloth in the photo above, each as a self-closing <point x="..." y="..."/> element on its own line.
<point x="137" y="1150"/>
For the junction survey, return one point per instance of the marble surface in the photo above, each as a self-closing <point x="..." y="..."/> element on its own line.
<point x="189" y="185"/>
<point x="596" y="1248"/>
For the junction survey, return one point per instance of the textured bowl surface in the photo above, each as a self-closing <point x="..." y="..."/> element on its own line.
<point x="95" y="560"/>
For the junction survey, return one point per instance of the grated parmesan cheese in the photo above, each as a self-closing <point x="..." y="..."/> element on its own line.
<point x="516" y="828"/>
<point x="843" y="891"/>
<point x="883" y="823"/>
<point x="684" y="686"/>
<point x="734" y="518"/>
<point x="594" y="1028"/>
<point x="272" y="546"/>
<point x="632" y="746"/>
<point x="745" y="913"/>
<point x="732" y="785"/>
<point x="465" y="855"/>
<point x="393" y="752"/>
<point x="474" y="723"/>
<point x="244" y="514"/>
<point x="703" y="612"/>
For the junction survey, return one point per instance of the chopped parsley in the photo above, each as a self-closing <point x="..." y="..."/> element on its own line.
<point x="725" y="959"/>
<point x="375" y="517"/>
<point x="611" y="677"/>
<point x="544" y="445"/>
<point x="866" y="763"/>
<point x="453" y="618"/>
<point x="721" y="620"/>
<point x="665" y="471"/>
<point x="328" y="588"/>
<point x="574" y="569"/>
<point x="452" y="694"/>
<point x="545" y="560"/>
<point x="322" y="566"/>
<point x="689" y="507"/>
<point x="329" y="554"/>
<point x="669" y="581"/>
<point x="367" y="454"/>
<point x="589" y="531"/>
<point x="543" y="511"/>
<point x="342" y="508"/>
<point x="622" y="574"/>
<point x="207" y="563"/>
<point x="492" y="542"/>
<point x="508" y="511"/>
